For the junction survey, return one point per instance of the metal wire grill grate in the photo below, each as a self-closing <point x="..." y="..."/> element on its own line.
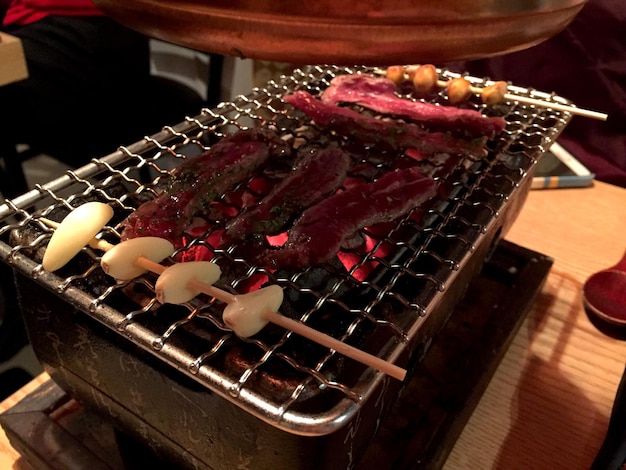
<point x="377" y="301"/>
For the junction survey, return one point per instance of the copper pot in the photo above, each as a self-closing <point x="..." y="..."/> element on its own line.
<point x="369" y="32"/>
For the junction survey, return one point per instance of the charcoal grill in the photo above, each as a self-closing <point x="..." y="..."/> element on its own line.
<point x="177" y="379"/>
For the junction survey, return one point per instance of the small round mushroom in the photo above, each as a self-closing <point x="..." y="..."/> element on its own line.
<point x="494" y="93"/>
<point x="245" y="315"/>
<point x="395" y="73"/>
<point x="459" y="90"/>
<point x="425" y="78"/>
<point x="76" y="230"/>
<point x="175" y="285"/>
<point x="120" y="262"/>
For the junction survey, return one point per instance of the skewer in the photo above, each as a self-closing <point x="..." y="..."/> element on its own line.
<point x="240" y="304"/>
<point x="357" y="354"/>
<point x="543" y="104"/>
<point x="519" y="98"/>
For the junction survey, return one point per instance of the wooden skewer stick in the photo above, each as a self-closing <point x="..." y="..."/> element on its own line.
<point x="528" y="100"/>
<point x="297" y="327"/>
<point x="541" y="103"/>
<point x="300" y="328"/>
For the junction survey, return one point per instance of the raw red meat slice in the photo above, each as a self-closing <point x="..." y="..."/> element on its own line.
<point x="321" y="230"/>
<point x="317" y="175"/>
<point x="378" y="94"/>
<point x="384" y="134"/>
<point x="200" y="181"/>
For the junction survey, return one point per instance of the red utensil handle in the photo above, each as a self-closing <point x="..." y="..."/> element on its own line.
<point x="612" y="454"/>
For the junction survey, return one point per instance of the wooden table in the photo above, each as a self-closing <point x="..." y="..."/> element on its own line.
<point x="548" y="404"/>
<point x="12" y="61"/>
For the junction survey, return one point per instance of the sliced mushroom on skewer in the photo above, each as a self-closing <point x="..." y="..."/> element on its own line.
<point x="175" y="284"/>
<point x="245" y="314"/>
<point x="78" y="228"/>
<point x="123" y="261"/>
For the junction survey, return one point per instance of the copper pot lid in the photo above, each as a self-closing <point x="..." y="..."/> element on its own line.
<point x="368" y="32"/>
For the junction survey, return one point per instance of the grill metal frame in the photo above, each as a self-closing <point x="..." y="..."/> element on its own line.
<point x="478" y="208"/>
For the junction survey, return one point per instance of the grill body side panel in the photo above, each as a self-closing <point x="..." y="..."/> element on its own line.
<point x="180" y="420"/>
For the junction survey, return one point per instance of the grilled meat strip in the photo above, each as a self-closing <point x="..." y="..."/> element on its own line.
<point x="316" y="175"/>
<point x="378" y="94"/>
<point x="318" y="234"/>
<point x="200" y="181"/>
<point x="386" y="135"/>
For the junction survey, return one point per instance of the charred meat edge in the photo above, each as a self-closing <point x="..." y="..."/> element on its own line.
<point x="201" y="180"/>
<point x="318" y="234"/>
<point x="318" y="174"/>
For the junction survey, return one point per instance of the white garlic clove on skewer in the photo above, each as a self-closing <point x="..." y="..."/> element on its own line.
<point x="120" y="262"/>
<point x="76" y="230"/>
<point x="245" y="315"/>
<point x="175" y="284"/>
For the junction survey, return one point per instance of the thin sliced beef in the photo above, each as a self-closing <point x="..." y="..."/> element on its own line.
<point x="384" y="134"/>
<point x="378" y="94"/>
<point x="319" y="233"/>
<point x="317" y="174"/>
<point x="201" y="180"/>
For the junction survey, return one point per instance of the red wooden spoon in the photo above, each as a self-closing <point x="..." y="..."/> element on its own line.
<point x="604" y="294"/>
